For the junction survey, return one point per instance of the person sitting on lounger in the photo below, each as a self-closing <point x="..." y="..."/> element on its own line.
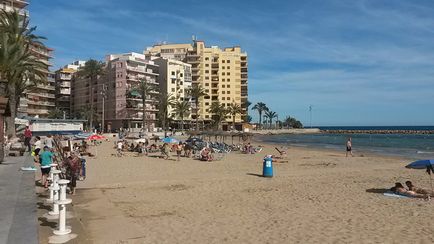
<point x="419" y="190"/>
<point x="400" y="190"/>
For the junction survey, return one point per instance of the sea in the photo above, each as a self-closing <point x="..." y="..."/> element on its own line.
<point x="412" y="146"/>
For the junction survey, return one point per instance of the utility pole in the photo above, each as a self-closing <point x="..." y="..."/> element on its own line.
<point x="103" y="94"/>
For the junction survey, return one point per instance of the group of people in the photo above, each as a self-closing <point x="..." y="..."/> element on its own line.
<point x="412" y="190"/>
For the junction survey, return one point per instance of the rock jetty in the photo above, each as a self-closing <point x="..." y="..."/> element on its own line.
<point x="378" y="131"/>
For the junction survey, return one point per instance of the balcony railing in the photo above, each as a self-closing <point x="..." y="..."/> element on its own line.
<point x="46" y="87"/>
<point x="42" y="94"/>
<point x="51" y="104"/>
<point x="142" y="70"/>
<point x="37" y="111"/>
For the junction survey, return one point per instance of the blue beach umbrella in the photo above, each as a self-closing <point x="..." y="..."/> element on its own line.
<point x="169" y="140"/>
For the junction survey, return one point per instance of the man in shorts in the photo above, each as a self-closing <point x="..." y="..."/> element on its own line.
<point x="46" y="161"/>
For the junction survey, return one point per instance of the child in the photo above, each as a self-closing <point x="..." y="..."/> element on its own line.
<point x="46" y="161"/>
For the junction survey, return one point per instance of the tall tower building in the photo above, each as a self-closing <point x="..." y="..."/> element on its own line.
<point x="223" y="73"/>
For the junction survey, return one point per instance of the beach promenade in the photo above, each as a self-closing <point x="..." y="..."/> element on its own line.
<point x="315" y="197"/>
<point x="18" y="215"/>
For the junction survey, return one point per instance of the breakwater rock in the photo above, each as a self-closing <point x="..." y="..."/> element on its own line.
<point x="378" y="131"/>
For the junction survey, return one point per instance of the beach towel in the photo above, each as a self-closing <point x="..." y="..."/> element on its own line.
<point x="391" y="194"/>
<point x="30" y="168"/>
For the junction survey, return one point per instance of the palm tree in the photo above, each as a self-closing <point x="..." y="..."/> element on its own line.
<point x="270" y="115"/>
<point x="91" y="70"/>
<point x="233" y="110"/>
<point x="18" y="65"/>
<point x="182" y="109"/>
<point x="197" y="92"/>
<point x="143" y="88"/>
<point x="219" y="112"/>
<point x="260" y="107"/>
<point x="85" y="112"/>
<point x="164" y="102"/>
<point x="55" y="114"/>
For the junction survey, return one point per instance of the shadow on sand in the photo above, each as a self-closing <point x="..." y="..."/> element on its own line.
<point x="377" y="190"/>
<point x="254" y="174"/>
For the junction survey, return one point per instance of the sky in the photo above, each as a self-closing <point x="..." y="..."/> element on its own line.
<point x="360" y="62"/>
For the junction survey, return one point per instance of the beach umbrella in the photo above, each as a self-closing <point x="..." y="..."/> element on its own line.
<point x="96" y="137"/>
<point x="169" y="140"/>
<point x="426" y="164"/>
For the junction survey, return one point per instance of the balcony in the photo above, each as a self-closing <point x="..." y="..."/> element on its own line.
<point x="41" y="51"/>
<point x="42" y="95"/>
<point x="64" y="91"/>
<point x="243" y="70"/>
<point x="41" y="103"/>
<point x="64" y="84"/>
<point x="139" y="79"/>
<point x="141" y="70"/>
<point x="46" y="87"/>
<point x="244" y="76"/>
<point x="37" y="111"/>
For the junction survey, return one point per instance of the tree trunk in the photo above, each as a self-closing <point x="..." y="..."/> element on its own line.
<point x="197" y="115"/>
<point x="2" y="138"/>
<point x="182" y="123"/>
<point x="233" y="122"/>
<point x="144" y="113"/>
<point x="10" y="121"/>
<point x="260" y="118"/>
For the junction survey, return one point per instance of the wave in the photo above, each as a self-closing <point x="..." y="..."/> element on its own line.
<point x="424" y="152"/>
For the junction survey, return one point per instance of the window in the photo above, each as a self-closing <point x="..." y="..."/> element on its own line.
<point x="229" y="92"/>
<point x="229" y="86"/>
<point x="223" y="98"/>
<point x="223" y="79"/>
<point x="223" y="73"/>
<point x="228" y="73"/>
<point x="173" y="72"/>
<point x="206" y="71"/>
<point x="206" y="59"/>
<point x="206" y="84"/>
<point x="173" y="89"/>
<point x="223" y="67"/>
<point x="207" y="90"/>
<point x="228" y="98"/>
<point x="206" y="77"/>
<point x="223" y="86"/>
<point x="206" y="116"/>
<point x="223" y="61"/>
<point x="173" y="82"/>
<point x="229" y="67"/>
<point x="229" y="80"/>
<point x="223" y="92"/>
<point x="228" y="61"/>
<point x="206" y="65"/>
<point x="206" y="104"/>
<point x="180" y="75"/>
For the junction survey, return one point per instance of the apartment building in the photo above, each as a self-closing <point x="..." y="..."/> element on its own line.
<point x="123" y="103"/>
<point x="175" y="79"/>
<point x="63" y="90"/>
<point x="39" y="100"/>
<point x="223" y="73"/>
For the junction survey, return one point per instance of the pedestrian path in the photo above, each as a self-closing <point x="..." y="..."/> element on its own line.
<point x="18" y="213"/>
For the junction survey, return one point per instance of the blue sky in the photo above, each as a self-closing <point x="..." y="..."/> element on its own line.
<point x="357" y="62"/>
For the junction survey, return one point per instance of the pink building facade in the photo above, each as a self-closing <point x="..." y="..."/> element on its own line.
<point x="123" y="100"/>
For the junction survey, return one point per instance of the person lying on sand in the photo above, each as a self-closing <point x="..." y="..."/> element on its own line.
<point x="419" y="190"/>
<point x="400" y="190"/>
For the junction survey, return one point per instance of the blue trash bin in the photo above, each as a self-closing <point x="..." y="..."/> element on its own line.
<point x="267" y="169"/>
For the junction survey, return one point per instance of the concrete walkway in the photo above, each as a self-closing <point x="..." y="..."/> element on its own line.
<point x="18" y="213"/>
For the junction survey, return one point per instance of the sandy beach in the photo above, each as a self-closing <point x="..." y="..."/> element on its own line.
<point x="316" y="197"/>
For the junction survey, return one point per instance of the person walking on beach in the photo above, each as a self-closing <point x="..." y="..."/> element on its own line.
<point x="349" y="148"/>
<point x="46" y="161"/>
<point x="179" y="150"/>
<point x="73" y="171"/>
<point x="49" y="142"/>
<point x="27" y="138"/>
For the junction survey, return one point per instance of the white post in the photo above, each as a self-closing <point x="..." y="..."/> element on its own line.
<point x="50" y="178"/>
<point x="63" y="229"/>
<point x="55" y="189"/>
